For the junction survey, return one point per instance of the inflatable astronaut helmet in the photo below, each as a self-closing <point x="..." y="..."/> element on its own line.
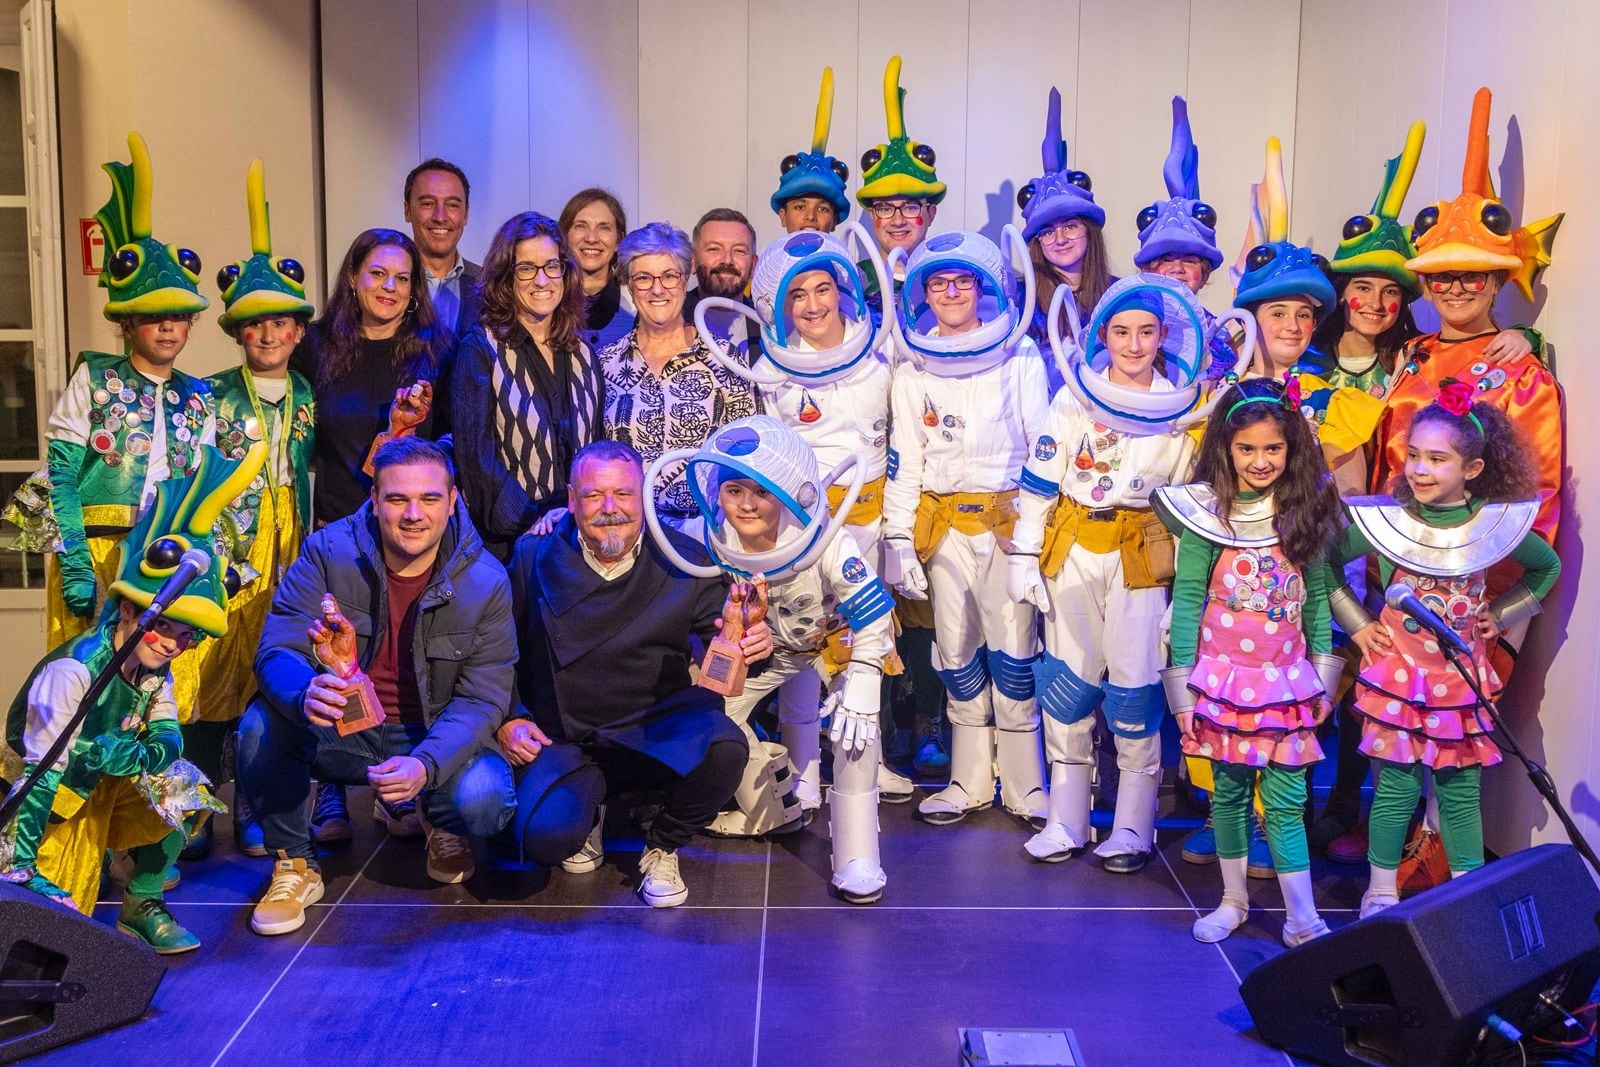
<point x="784" y="356"/>
<point x="1003" y="316"/>
<point x="778" y="460"/>
<point x="1083" y="358"/>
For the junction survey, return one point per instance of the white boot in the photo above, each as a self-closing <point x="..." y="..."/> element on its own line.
<point x="853" y="824"/>
<point x="1382" y="891"/>
<point x="804" y="742"/>
<point x="765" y="798"/>
<point x="1133" y="832"/>
<point x="1067" y="830"/>
<point x="971" y="777"/>
<point x="1021" y="761"/>
<point x="1302" y="923"/>
<point x="1235" y="906"/>
<point x="893" y="787"/>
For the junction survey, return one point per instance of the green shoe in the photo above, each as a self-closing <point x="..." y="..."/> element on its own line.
<point x="148" y="919"/>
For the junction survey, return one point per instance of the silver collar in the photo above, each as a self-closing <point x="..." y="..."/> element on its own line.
<point x="1194" y="507"/>
<point x="1443" y="551"/>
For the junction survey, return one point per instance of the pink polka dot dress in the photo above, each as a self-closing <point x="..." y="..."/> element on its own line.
<point x="1258" y="691"/>
<point x="1415" y="706"/>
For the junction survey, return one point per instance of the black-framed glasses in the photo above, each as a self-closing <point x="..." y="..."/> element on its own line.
<point x="527" y="272"/>
<point x="911" y="210"/>
<point x="1472" y="281"/>
<point x="641" y="283"/>
<point x="963" y="282"/>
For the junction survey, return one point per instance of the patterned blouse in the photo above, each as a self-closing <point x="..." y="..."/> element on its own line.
<point x="679" y="408"/>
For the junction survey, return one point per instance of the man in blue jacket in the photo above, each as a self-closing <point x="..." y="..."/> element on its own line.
<point x="431" y="611"/>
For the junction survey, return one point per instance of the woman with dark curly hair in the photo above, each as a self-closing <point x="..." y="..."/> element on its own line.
<point x="1253" y="672"/>
<point x="1468" y="478"/>
<point x="377" y="336"/>
<point x="525" y="383"/>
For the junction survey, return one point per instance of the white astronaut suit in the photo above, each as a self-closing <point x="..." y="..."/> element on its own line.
<point x="964" y="410"/>
<point x="837" y="401"/>
<point x="1089" y="476"/>
<point x="817" y="580"/>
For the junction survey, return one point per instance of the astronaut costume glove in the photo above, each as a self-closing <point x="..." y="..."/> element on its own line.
<point x="902" y="570"/>
<point x="853" y="710"/>
<point x="1024" y="583"/>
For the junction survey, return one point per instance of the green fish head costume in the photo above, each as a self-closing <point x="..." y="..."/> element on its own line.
<point x="181" y="518"/>
<point x="1377" y="243"/>
<point x="260" y="285"/>
<point x="902" y="167"/>
<point x="141" y="275"/>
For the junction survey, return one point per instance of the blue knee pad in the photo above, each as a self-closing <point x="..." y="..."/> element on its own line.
<point x="1134" y="711"/>
<point x="968" y="682"/>
<point x="1063" y="696"/>
<point x="1011" y="676"/>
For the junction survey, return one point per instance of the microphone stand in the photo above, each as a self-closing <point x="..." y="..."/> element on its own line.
<point x="13" y="803"/>
<point x="1536" y="773"/>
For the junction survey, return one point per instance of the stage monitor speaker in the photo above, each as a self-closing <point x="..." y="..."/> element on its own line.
<point x="1415" y="984"/>
<point x="63" y="976"/>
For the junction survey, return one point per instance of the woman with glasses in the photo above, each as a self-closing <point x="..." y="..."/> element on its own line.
<point x="525" y="384"/>
<point x="662" y="389"/>
<point x="1062" y="225"/>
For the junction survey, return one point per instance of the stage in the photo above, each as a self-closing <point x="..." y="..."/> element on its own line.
<point x="761" y="966"/>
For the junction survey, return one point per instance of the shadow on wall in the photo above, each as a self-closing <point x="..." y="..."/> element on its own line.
<point x="998" y="209"/>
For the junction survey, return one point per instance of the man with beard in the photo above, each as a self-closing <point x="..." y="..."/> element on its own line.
<point x="606" y="700"/>
<point x="724" y="257"/>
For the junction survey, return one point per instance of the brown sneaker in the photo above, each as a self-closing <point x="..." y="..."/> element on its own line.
<point x="295" y="886"/>
<point x="1423" y="865"/>
<point x="449" y="856"/>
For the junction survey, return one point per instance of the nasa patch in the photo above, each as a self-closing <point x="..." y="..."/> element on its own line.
<point x="1045" y="448"/>
<point x="854" y="570"/>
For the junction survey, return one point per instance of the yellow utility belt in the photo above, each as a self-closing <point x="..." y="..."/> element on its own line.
<point x="969" y="513"/>
<point x="1148" y="551"/>
<point x="869" y="505"/>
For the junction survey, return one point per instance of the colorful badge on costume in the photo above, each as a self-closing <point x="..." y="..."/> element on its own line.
<point x="183" y="517"/>
<point x="1376" y="243"/>
<point x="815" y="173"/>
<point x="1184" y="225"/>
<point x="778" y="460"/>
<point x="785" y="355"/>
<point x="141" y="275"/>
<point x="1003" y="313"/>
<point x="1474" y="231"/>
<point x="1270" y="267"/>
<point x="1083" y="358"/>
<point x="1058" y="194"/>
<point x="902" y="167"/>
<point x="260" y="285"/>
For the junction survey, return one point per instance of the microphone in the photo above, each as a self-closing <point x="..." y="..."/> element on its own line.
<point x="191" y="565"/>
<point x="1402" y="598"/>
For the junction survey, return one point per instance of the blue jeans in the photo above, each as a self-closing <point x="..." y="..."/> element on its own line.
<point x="278" y="756"/>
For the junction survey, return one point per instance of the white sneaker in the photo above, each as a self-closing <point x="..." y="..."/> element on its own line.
<point x="660" y="884"/>
<point x="592" y="853"/>
<point x="1372" y="903"/>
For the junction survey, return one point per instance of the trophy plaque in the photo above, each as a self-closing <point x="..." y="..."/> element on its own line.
<point x="724" y="668"/>
<point x="333" y="640"/>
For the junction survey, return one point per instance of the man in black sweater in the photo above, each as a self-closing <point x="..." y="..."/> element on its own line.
<point x="606" y="700"/>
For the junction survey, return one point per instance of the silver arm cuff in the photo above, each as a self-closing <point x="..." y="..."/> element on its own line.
<point x="1347" y="609"/>
<point x="1175" y="681"/>
<point x="1515" y="605"/>
<point x="1330" y="671"/>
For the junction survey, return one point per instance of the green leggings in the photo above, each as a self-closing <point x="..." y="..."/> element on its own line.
<point x="150" y="863"/>
<point x="1283" y="796"/>
<point x="1399" y="785"/>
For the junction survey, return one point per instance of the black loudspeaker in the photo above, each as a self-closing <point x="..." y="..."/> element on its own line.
<point x="63" y="976"/>
<point x="1415" y="984"/>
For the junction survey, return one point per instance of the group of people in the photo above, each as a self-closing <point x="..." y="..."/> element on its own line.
<point x="583" y="513"/>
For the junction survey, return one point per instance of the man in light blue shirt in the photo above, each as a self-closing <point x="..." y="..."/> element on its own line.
<point x="436" y="200"/>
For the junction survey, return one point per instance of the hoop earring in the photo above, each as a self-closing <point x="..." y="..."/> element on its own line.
<point x="412" y="306"/>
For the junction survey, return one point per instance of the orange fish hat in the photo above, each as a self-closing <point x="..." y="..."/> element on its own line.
<point x="1474" y="231"/>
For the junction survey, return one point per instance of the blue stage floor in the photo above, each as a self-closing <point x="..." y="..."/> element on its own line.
<point x="761" y="966"/>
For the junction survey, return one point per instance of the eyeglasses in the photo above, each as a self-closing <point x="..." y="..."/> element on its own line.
<point x="1472" y="281"/>
<point x="526" y="272"/>
<point x="963" y="282"/>
<point x="911" y="210"/>
<point x="1065" y="230"/>
<point x="642" y="283"/>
